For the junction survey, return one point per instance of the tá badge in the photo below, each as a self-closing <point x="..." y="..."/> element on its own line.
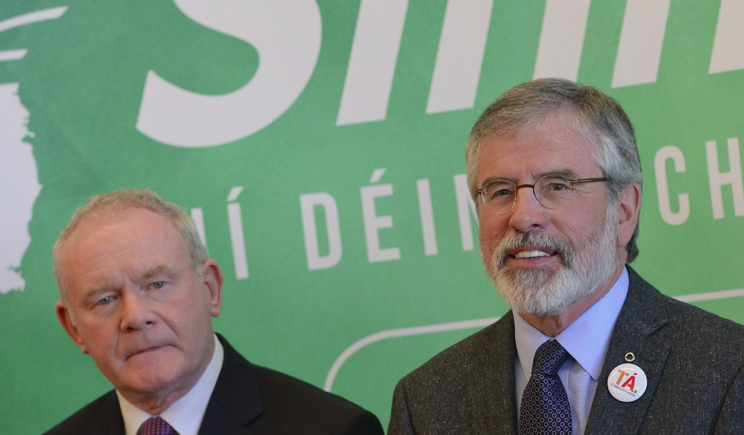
<point x="627" y="382"/>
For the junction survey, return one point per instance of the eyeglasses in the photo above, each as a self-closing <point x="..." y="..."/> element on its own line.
<point x="552" y="191"/>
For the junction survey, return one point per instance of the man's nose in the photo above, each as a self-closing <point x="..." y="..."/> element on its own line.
<point x="528" y="214"/>
<point x="136" y="312"/>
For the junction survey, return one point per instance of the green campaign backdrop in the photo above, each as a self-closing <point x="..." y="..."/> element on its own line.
<point x="319" y="146"/>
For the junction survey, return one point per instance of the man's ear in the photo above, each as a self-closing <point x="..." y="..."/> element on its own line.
<point x="63" y="314"/>
<point x="213" y="281"/>
<point x="628" y="208"/>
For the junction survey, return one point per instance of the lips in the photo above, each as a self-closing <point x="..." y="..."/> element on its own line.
<point x="532" y="247"/>
<point x="535" y="253"/>
<point x="145" y="350"/>
<point x="149" y="349"/>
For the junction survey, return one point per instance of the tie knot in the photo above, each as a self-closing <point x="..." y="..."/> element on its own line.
<point x="549" y="358"/>
<point x="155" y="426"/>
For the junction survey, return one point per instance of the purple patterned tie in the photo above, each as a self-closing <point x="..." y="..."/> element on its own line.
<point x="545" y="408"/>
<point x="155" y="426"/>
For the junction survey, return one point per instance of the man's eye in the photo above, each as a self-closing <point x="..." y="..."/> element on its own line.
<point x="157" y="284"/>
<point x="558" y="187"/>
<point x="499" y="190"/>
<point x="105" y="301"/>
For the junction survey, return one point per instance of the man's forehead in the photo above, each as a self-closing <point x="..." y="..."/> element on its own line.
<point x="561" y="126"/>
<point x="544" y="142"/>
<point x="130" y="228"/>
<point x="89" y="271"/>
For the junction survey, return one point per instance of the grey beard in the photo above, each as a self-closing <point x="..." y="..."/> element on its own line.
<point x="546" y="293"/>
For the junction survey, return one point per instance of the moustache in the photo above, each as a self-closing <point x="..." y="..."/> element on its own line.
<point x="561" y="246"/>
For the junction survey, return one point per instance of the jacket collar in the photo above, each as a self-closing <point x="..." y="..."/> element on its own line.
<point x="236" y="400"/>
<point x="490" y="381"/>
<point x="640" y="329"/>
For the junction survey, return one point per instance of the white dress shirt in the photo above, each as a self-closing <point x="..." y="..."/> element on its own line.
<point x="586" y="340"/>
<point x="186" y="414"/>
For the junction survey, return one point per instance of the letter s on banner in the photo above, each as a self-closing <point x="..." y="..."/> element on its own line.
<point x="287" y="36"/>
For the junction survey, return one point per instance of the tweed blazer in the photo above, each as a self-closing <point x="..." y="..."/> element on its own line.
<point x="694" y="362"/>
<point x="247" y="399"/>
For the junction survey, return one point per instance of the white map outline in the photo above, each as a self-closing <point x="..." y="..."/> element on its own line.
<point x="19" y="179"/>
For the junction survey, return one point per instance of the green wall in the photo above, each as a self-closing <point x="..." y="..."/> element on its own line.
<point x="303" y="102"/>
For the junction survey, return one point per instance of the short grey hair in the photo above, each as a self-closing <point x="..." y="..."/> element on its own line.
<point x="111" y="205"/>
<point x="594" y="115"/>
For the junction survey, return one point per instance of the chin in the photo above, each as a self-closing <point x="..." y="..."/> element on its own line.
<point x="541" y="292"/>
<point x="150" y="382"/>
<point x="152" y="376"/>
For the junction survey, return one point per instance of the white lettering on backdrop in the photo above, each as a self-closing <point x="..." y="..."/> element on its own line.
<point x="287" y="36"/>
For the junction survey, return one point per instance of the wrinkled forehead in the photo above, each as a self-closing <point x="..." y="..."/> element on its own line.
<point x="116" y="222"/>
<point x="561" y="126"/>
<point x="553" y="136"/>
<point x="135" y="230"/>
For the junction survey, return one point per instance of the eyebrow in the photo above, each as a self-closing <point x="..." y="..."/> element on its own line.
<point x="91" y="292"/>
<point x="567" y="173"/>
<point x="157" y="270"/>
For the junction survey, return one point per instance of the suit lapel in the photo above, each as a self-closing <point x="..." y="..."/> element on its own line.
<point x="490" y="381"/>
<point x="116" y="427"/>
<point x="639" y="329"/>
<point x="108" y="419"/>
<point x="236" y="400"/>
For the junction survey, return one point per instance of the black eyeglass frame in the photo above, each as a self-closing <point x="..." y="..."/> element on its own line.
<point x="571" y="182"/>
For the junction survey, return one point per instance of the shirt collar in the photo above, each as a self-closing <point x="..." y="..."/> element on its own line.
<point x="586" y="339"/>
<point x="186" y="414"/>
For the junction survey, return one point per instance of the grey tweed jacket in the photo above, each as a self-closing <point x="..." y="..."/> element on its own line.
<point x="694" y="361"/>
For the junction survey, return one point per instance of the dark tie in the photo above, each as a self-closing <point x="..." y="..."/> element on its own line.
<point x="545" y="408"/>
<point x="155" y="426"/>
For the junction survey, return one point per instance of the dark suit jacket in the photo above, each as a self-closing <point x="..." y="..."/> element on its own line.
<point x="694" y="362"/>
<point x="247" y="399"/>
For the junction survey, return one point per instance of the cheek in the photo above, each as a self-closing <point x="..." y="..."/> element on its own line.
<point x="189" y="313"/>
<point x="492" y="230"/>
<point x="580" y="231"/>
<point x="97" y="333"/>
<point x="487" y="243"/>
<point x="101" y="341"/>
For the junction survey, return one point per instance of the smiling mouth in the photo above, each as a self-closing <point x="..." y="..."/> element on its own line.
<point x="533" y="254"/>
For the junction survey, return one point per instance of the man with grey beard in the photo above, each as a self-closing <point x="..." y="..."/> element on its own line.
<point x="588" y="347"/>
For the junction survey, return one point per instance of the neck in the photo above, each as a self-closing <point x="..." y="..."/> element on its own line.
<point x="554" y="325"/>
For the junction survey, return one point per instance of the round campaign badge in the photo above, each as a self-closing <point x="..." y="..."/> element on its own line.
<point x="627" y="382"/>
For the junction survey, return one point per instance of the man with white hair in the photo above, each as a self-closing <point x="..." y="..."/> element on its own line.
<point x="138" y="293"/>
<point x="588" y="347"/>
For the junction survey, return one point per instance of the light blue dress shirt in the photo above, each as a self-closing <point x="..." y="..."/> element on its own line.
<point x="586" y="340"/>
